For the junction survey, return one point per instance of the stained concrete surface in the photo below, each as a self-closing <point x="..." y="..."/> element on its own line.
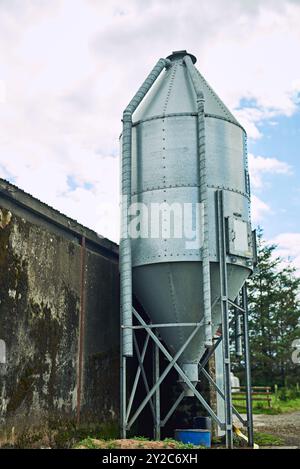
<point x="50" y="295"/>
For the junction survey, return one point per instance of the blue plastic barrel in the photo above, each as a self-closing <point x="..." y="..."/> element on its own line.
<point x="196" y="437"/>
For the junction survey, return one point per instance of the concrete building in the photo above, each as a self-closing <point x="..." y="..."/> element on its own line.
<point x="59" y="320"/>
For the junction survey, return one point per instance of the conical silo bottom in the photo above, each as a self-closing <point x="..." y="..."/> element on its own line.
<point x="171" y="292"/>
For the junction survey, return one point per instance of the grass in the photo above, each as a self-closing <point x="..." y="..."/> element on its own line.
<point x="278" y="406"/>
<point x="179" y="445"/>
<point x="266" y="439"/>
<point x="260" y="438"/>
<point x="141" y="442"/>
<point x="141" y="438"/>
<point x="92" y="443"/>
<point x="88" y="443"/>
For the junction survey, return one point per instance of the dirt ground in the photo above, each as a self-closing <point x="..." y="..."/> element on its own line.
<point x="286" y="426"/>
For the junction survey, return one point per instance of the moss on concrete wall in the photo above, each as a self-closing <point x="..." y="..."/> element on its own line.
<point x="40" y="291"/>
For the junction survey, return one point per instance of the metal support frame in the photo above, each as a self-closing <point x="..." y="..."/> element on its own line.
<point x="247" y="366"/>
<point x="123" y="397"/>
<point x="157" y="392"/>
<point x="159" y="378"/>
<point x="152" y="397"/>
<point x="225" y="317"/>
<point x="240" y="333"/>
<point x="172" y="364"/>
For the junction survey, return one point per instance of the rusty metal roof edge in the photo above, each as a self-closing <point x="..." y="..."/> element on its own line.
<point x="54" y="216"/>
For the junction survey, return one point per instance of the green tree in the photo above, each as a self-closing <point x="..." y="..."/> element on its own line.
<point x="274" y="313"/>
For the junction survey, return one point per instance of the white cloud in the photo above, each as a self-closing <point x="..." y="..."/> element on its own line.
<point x="70" y="66"/>
<point x="258" y="56"/>
<point x="251" y="117"/>
<point x="2" y="92"/>
<point x="289" y="247"/>
<point x="259" y="166"/>
<point x="65" y="178"/>
<point x="258" y="209"/>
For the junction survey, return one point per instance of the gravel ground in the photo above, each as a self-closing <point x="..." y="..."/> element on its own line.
<point x="287" y="426"/>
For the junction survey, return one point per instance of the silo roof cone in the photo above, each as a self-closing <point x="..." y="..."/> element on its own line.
<point x="174" y="93"/>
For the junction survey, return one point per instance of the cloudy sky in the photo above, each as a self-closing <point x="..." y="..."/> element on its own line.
<point x="68" y="68"/>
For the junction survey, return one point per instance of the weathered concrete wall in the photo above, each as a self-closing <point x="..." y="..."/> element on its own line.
<point x="102" y="337"/>
<point x="59" y="320"/>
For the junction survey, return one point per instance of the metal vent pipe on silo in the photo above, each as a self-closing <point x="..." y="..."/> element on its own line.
<point x="182" y="146"/>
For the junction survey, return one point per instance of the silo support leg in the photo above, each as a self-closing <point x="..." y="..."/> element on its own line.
<point x="227" y="382"/>
<point x="157" y="422"/>
<point x="248" y="367"/>
<point x="123" y="397"/>
<point x="225" y="316"/>
<point x="243" y="311"/>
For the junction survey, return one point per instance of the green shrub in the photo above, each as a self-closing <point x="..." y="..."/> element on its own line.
<point x="288" y="393"/>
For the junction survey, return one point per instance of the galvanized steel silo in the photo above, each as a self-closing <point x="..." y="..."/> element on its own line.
<point x="186" y="147"/>
<point x="167" y="277"/>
